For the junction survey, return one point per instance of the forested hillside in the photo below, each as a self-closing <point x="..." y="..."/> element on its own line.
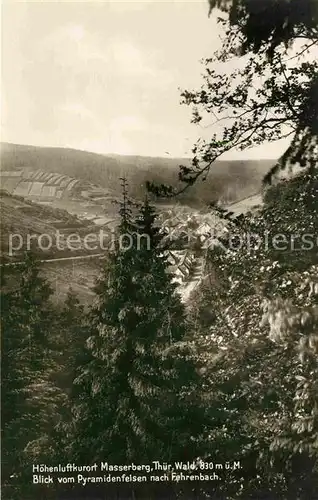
<point x="231" y="180"/>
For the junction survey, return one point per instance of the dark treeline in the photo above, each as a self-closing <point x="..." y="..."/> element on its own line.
<point x="140" y="377"/>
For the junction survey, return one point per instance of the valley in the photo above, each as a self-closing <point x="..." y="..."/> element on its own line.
<point x="48" y="191"/>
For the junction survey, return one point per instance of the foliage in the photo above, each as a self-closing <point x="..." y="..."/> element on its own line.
<point x="262" y="85"/>
<point x="234" y="376"/>
<point x="30" y="399"/>
<point x="134" y="400"/>
<point x="258" y="335"/>
<point x="271" y="22"/>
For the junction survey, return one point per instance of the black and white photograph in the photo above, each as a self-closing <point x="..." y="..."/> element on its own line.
<point x="159" y="249"/>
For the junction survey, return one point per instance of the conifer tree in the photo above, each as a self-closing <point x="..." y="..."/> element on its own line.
<point x="73" y="332"/>
<point x="135" y="398"/>
<point x="29" y="399"/>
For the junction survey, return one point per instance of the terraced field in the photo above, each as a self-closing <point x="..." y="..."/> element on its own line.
<point x="47" y="185"/>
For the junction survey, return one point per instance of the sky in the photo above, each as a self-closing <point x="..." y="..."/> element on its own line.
<point x="105" y="76"/>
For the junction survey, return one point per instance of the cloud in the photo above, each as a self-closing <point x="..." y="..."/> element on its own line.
<point x="128" y="5"/>
<point x="104" y="75"/>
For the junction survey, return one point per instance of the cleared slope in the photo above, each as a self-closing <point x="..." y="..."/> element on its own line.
<point x="20" y="218"/>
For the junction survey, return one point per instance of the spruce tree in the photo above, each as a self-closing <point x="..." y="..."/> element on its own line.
<point x="29" y="399"/>
<point x="135" y="400"/>
<point x="73" y="332"/>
